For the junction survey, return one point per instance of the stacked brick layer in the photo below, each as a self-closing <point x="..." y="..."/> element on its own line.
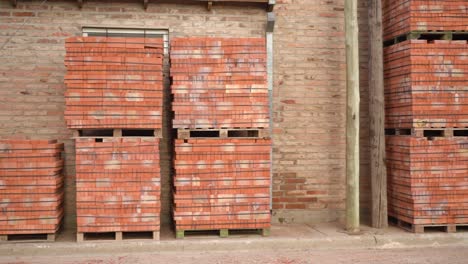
<point x="222" y="184"/>
<point x="403" y="16"/>
<point x="118" y="184"/>
<point x="114" y="82"/>
<point x="426" y="84"/>
<point x="219" y="82"/>
<point x="428" y="179"/>
<point x="31" y="186"/>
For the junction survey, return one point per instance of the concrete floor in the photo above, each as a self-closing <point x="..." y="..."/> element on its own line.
<point x="323" y="243"/>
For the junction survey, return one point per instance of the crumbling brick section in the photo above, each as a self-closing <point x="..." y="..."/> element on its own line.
<point x="31" y="186"/>
<point x="118" y="184"/>
<point x="114" y="82"/>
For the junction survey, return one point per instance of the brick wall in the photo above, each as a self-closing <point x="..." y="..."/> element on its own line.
<point x="309" y="91"/>
<point x="310" y="111"/>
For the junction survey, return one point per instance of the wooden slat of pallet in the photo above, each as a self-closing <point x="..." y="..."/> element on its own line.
<point x="222" y="232"/>
<point x="117" y="236"/>
<point x="430" y="132"/>
<point x="420" y="228"/>
<point x="223" y="133"/>
<point x="28" y="237"/>
<point x="117" y="132"/>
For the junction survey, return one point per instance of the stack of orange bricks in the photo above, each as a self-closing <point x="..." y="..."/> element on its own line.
<point x="426" y="84"/>
<point x="114" y="82"/>
<point x="426" y="106"/>
<point x="219" y="82"/>
<point x="403" y="16"/>
<point x="428" y="182"/>
<point x="31" y="183"/>
<point x="220" y="183"/>
<point x="118" y="184"/>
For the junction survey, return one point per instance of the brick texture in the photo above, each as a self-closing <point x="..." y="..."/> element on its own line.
<point x="31" y="184"/>
<point x="309" y="89"/>
<point x="219" y="82"/>
<point x="427" y="179"/>
<point x="425" y="84"/>
<point x="403" y="16"/>
<point x="222" y="183"/>
<point x="118" y="184"/>
<point x="309" y="107"/>
<point x="114" y="82"/>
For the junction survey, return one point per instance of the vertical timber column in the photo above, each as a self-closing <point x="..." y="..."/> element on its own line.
<point x="377" y="117"/>
<point x="352" y="117"/>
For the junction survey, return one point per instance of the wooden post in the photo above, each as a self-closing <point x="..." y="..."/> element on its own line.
<point x="352" y="117"/>
<point x="377" y="117"/>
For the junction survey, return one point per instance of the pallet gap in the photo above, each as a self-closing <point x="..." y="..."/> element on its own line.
<point x="28" y="237"/>
<point x="460" y="133"/>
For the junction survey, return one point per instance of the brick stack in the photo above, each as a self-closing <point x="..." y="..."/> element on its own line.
<point x="426" y="84"/>
<point x="428" y="181"/>
<point x="220" y="183"/>
<point x="114" y="82"/>
<point x="403" y="16"/>
<point x="426" y="113"/>
<point x="31" y="184"/>
<point x="118" y="184"/>
<point x="219" y="83"/>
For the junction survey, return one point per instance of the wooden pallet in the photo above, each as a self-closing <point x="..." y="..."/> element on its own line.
<point x="223" y="133"/>
<point x="429" y="35"/>
<point x="116" y="236"/>
<point x="423" y="228"/>
<point x="45" y="237"/>
<point x="222" y="232"/>
<point x="429" y="132"/>
<point x="118" y="132"/>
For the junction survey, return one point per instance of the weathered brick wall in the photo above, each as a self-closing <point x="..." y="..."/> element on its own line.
<point x="309" y="92"/>
<point x="310" y="111"/>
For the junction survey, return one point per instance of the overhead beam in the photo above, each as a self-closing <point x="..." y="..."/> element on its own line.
<point x="352" y="117"/>
<point x="14" y="3"/>
<point x="145" y="4"/>
<point x="209" y="5"/>
<point x="377" y="117"/>
<point x="80" y="3"/>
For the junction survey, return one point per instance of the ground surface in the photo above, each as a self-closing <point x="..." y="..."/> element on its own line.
<point x="452" y="255"/>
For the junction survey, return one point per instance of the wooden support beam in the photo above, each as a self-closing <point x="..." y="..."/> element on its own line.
<point x="377" y="117"/>
<point x="14" y="3"/>
<point x="80" y="3"/>
<point x="352" y="117"/>
<point x="145" y="4"/>
<point x="209" y="5"/>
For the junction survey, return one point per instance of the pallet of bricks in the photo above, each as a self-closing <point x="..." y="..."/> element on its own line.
<point x="114" y="102"/>
<point x="222" y="152"/>
<point x="426" y="101"/>
<point x="31" y="184"/>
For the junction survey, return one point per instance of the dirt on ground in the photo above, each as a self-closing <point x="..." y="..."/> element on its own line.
<point x="445" y="255"/>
